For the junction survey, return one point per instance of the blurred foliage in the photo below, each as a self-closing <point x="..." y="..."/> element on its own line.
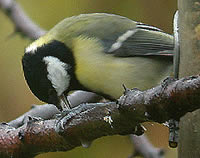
<point x="15" y="96"/>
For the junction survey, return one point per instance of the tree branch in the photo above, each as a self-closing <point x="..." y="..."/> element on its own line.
<point x="22" y="22"/>
<point x="86" y="122"/>
<point x="48" y="111"/>
<point x="189" y="34"/>
<point x="144" y="148"/>
<point x="170" y="100"/>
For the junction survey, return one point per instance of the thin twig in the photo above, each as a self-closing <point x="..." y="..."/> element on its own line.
<point x="142" y="147"/>
<point x="22" y="22"/>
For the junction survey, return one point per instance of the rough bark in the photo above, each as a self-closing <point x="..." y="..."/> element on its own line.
<point x="189" y="135"/>
<point x="189" y="27"/>
<point x="86" y="122"/>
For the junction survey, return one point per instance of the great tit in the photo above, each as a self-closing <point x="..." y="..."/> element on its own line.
<point x="99" y="53"/>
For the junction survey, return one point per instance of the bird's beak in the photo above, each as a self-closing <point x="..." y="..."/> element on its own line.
<point x="64" y="102"/>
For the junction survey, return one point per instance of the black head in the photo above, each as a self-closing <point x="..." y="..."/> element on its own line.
<point x="49" y="70"/>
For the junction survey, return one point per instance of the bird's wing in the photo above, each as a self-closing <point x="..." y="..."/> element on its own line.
<point x="142" y="41"/>
<point x="119" y="35"/>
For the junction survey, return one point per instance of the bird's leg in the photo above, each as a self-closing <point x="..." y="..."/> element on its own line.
<point x="66" y="108"/>
<point x="65" y="104"/>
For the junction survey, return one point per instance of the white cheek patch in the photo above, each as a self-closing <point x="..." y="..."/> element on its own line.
<point x="121" y="39"/>
<point x="57" y="74"/>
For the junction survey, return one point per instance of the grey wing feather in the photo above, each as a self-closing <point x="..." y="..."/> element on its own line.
<point x="146" y="40"/>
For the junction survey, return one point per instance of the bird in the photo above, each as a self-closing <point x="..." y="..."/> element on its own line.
<point x="96" y="52"/>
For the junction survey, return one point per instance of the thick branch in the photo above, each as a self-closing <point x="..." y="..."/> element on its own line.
<point x="84" y="123"/>
<point x="189" y="25"/>
<point x="87" y="122"/>
<point x="170" y="100"/>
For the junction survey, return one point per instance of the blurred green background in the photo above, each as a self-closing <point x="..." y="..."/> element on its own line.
<point x="16" y="97"/>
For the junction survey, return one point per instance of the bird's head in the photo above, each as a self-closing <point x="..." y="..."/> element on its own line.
<point x="48" y="70"/>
